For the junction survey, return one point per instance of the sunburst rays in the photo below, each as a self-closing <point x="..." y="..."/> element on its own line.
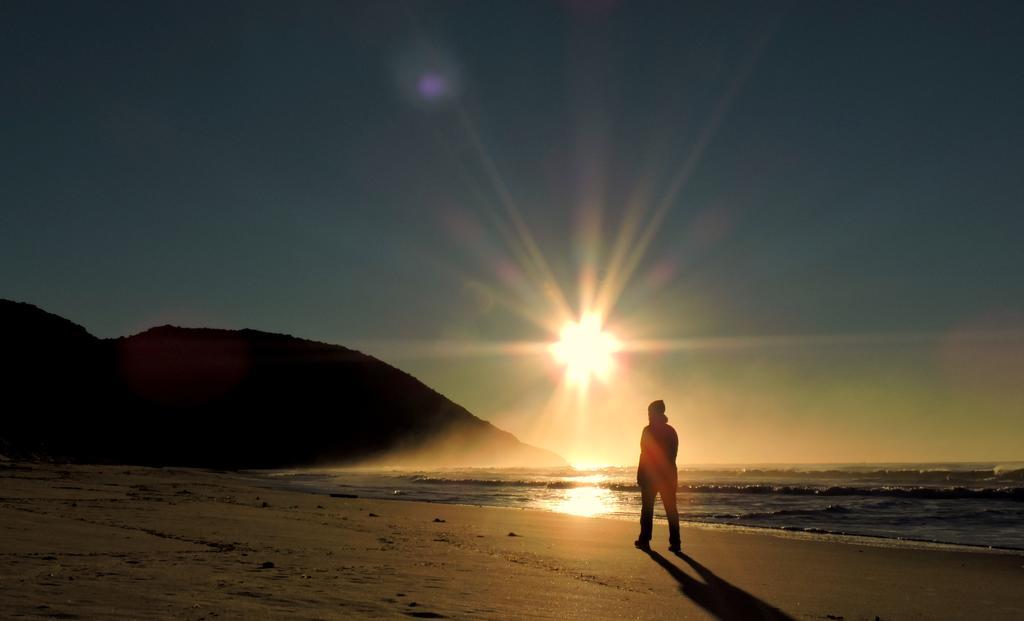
<point x="578" y="337"/>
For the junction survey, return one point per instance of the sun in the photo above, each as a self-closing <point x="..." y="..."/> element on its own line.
<point x="585" y="350"/>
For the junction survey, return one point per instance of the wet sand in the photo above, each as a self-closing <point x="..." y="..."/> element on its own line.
<point x="102" y="542"/>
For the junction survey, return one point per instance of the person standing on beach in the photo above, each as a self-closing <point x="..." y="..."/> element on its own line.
<point x="657" y="474"/>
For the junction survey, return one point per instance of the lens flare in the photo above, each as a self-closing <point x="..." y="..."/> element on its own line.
<point x="432" y="85"/>
<point x="585" y="350"/>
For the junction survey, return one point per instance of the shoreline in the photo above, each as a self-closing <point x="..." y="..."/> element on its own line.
<point x="796" y="532"/>
<point x="781" y="531"/>
<point x="117" y="542"/>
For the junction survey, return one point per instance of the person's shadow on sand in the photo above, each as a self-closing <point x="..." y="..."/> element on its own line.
<point x="721" y="599"/>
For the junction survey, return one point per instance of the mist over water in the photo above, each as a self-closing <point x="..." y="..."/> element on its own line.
<point x="972" y="504"/>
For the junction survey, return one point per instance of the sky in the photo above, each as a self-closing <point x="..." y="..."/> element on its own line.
<point x="802" y="220"/>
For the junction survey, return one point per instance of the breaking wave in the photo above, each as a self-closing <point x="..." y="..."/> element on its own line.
<point x="956" y="492"/>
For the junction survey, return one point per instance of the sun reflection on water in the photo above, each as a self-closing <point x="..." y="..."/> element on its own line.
<point x="584" y="501"/>
<point x="593" y="479"/>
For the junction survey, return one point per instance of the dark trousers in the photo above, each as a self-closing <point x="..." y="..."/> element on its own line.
<point x="668" y="498"/>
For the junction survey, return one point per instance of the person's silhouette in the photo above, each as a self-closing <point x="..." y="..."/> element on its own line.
<point x="657" y="474"/>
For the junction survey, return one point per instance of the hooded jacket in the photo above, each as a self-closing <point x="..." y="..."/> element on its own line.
<point x="658" y="446"/>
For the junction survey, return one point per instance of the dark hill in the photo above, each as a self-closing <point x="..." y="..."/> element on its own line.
<point x="227" y="399"/>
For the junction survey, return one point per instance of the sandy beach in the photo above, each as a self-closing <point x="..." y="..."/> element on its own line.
<point x="124" y="542"/>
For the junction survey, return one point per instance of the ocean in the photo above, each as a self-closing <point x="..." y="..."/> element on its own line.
<point x="974" y="504"/>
